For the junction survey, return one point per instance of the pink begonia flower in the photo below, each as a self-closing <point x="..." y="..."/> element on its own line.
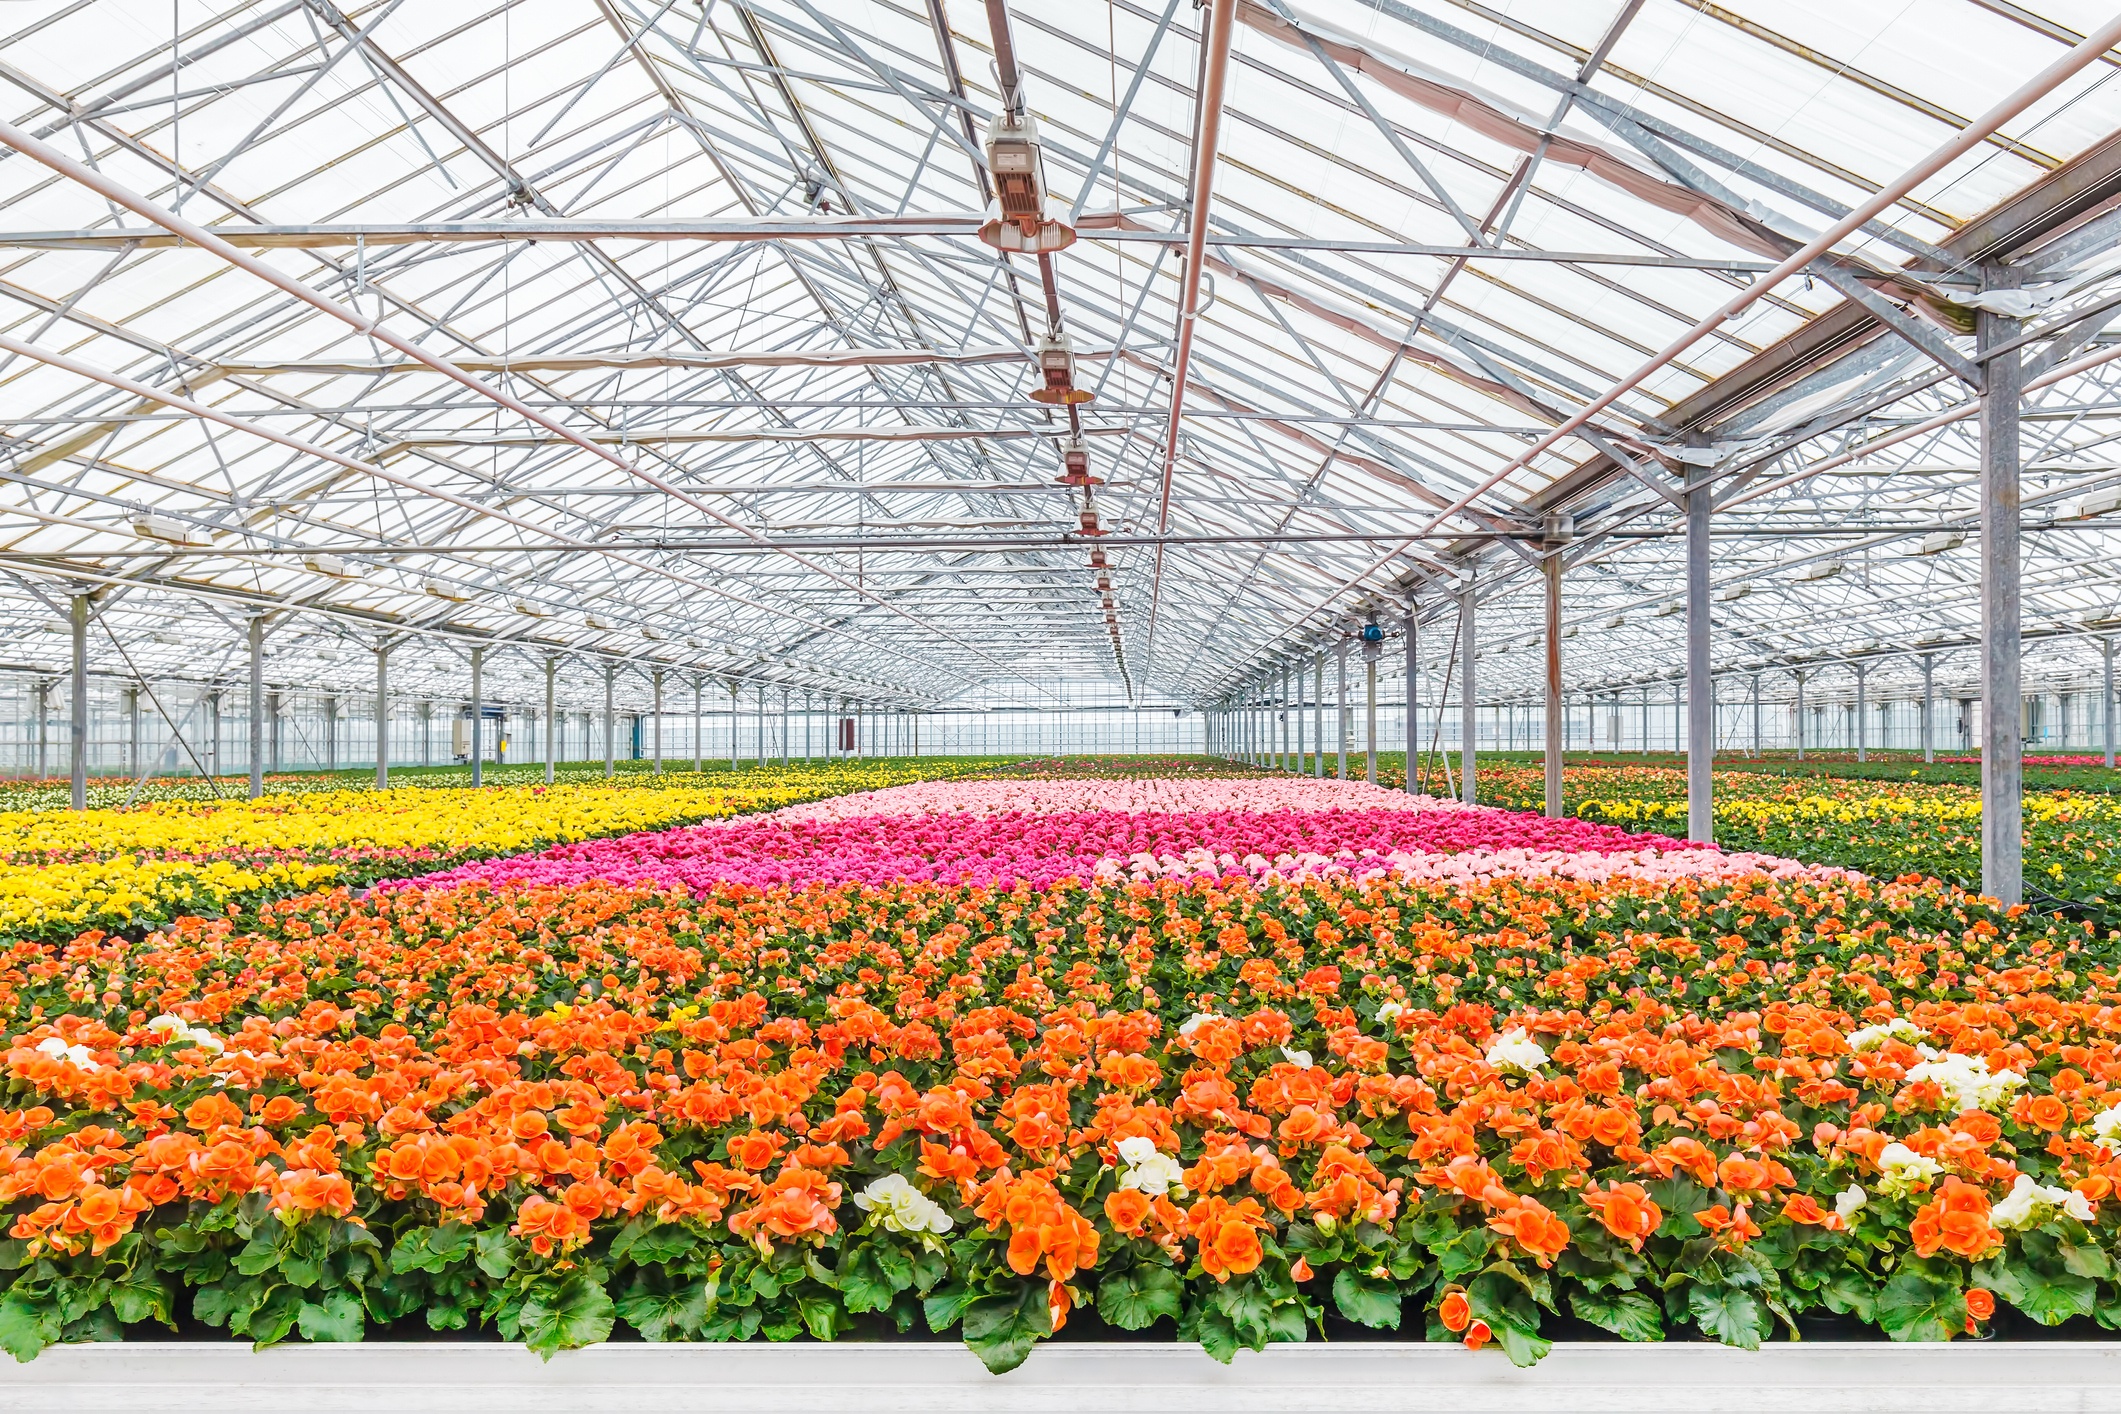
<point x="1001" y="833"/>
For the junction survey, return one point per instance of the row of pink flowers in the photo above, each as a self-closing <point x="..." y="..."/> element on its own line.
<point x="1179" y="797"/>
<point x="1039" y="848"/>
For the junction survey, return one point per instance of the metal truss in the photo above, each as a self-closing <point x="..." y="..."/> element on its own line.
<point x="659" y="334"/>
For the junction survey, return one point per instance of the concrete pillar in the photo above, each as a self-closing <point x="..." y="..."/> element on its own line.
<point x="2002" y="709"/>
<point x="78" y="716"/>
<point x="331" y="733"/>
<point x="382" y="716"/>
<point x="1468" y="647"/>
<point x="478" y="714"/>
<point x="257" y="705"/>
<point x="611" y="721"/>
<point x="1701" y="687"/>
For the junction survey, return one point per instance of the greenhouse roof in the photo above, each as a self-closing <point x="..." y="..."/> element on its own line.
<point x="663" y="332"/>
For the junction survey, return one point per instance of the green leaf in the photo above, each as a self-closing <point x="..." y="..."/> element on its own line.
<point x="1002" y="1329"/>
<point x="1135" y="1298"/>
<point x="141" y="1297"/>
<point x="274" y="1317"/>
<point x="575" y="1313"/>
<point x="1524" y="1346"/>
<point x="338" y="1317"/>
<point x="431" y="1249"/>
<point x="652" y="1244"/>
<point x="865" y="1280"/>
<point x="1627" y="1314"/>
<point x="27" y="1326"/>
<point x="2084" y="1259"/>
<point x="2049" y="1297"/>
<point x="947" y="1307"/>
<point x="660" y="1311"/>
<point x="259" y="1256"/>
<point x="1367" y="1300"/>
<point x="823" y="1317"/>
<point x="1216" y="1334"/>
<point x="1852" y="1293"/>
<point x="1732" y="1315"/>
<point x="1914" y="1307"/>
<point x="497" y="1252"/>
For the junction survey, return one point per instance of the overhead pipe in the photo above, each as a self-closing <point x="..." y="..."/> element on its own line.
<point x="1215" y="70"/>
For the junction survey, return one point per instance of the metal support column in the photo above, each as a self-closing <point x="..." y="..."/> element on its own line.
<point x="1863" y="710"/>
<point x="784" y="727"/>
<point x="1318" y="713"/>
<point x="257" y="706"/>
<point x="611" y="722"/>
<point x="1929" y="683"/>
<point x="2002" y="708"/>
<point x="1800" y="714"/>
<point x="657" y="677"/>
<point x="1340" y="725"/>
<point x="699" y="724"/>
<point x="1370" y="654"/>
<point x="478" y="714"/>
<point x="1469" y="701"/>
<point x="736" y="705"/>
<point x="1756" y="716"/>
<point x="1288" y="707"/>
<point x="1701" y="687"/>
<point x="382" y="716"/>
<point x="2106" y="715"/>
<point x="1555" y="745"/>
<point x="1413" y="651"/>
<point x="552" y="717"/>
<point x="78" y="727"/>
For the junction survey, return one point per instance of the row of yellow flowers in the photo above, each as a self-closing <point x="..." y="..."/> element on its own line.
<point x="61" y="871"/>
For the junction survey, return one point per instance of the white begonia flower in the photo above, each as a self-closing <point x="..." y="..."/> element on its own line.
<point x="1149" y="1169"/>
<point x="1389" y="1013"/>
<point x="1516" y="1050"/>
<point x="1300" y="1059"/>
<point x="1850" y="1201"/>
<point x="1900" y="1028"/>
<point x="178" y="1029"/>
<point x="2030" y="1204"/>
<point x="2106" y="1127"/>
<point x="58" y="1049"/>
<point x="1967" y="1082"/>
<point x="898" y="1205"/>
<point x="1194" y="1022"/>
<point x="1901" y="1168"/>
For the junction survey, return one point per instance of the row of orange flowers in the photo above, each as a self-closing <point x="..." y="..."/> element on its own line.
<point x="1240" y="1110"/>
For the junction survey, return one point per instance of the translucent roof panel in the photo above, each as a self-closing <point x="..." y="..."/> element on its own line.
<point x="660" y="333"/>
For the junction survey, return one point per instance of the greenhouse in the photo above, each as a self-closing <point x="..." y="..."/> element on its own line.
<point x="1260" y="704"/>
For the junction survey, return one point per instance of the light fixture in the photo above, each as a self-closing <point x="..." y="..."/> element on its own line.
<point x="528" y="609"/>
<point x="170" y="532"/>
<point x="332" y="566"/>
<point x="1056" y="370"/>
<point x="2098" y="503"/>
<point x="1021" y="220"/>
<point x="1938" y="541"/>
<point x="1819" y="569"/>
<point x="442" y="589"/>
<point x="1732" y="591"/>
<point x="1075" y="463"/>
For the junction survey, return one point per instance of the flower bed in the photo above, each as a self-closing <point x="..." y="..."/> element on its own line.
<point x="61" y="871"/>
<point x="1882" y="827"/>
<point x="1224" y="1107"/>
